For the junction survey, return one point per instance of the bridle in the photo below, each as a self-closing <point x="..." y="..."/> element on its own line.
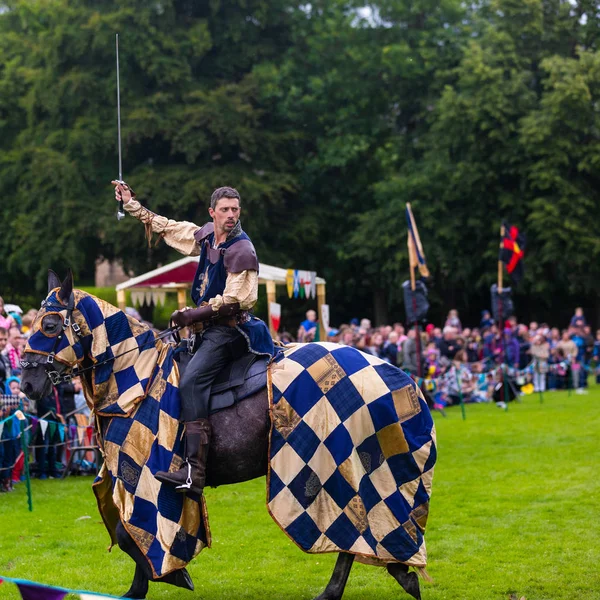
<point x="56" y="377"/>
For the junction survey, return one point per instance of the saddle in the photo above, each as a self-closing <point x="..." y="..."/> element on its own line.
<point x="237" y="381"/>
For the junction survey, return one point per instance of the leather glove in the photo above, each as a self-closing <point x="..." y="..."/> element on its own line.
<point x="185" y="317"/>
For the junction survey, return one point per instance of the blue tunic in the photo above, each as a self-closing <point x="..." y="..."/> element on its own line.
<point x="210" y="280"/>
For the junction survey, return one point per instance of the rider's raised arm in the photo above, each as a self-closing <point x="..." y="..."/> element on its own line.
<point x="177" y="234"/>
<point x="240" y="288"/>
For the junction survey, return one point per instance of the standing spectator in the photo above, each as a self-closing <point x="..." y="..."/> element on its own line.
<point x="10" y="435"/>
<point x="511" y="348"/>
<point x="28" y="320"/>
<point x="524" y="346"/>
<point x="597" y="355"/>
<point x="453" y="321"/>
<point x="48" y="409"/>
<point x="540" y="352"/>
<point x="13" y="349"/>
<point x="568" y="349"/>
<point x="5" y="368"/>
<point x="486" y="320"/>
<point x="6" y="321"/>
<point x="409" y="353"/>
<point x="578" y="320"/>
<point x="579" y="364"/>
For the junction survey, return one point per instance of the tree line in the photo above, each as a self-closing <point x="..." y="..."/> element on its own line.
<point x="328" y="117"/>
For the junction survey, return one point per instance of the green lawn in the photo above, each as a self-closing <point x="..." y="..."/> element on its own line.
<point x="515" y="510"/>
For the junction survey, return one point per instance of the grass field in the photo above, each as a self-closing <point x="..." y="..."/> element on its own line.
<point x="515" y="510"/>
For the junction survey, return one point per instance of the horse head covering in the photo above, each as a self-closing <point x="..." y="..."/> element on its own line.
<point x="135" y="398"/>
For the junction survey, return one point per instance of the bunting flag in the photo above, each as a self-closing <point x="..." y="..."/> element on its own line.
<point x="289" y="281"/>
<point x="308" y="284"/>
<point x="415" y="249"/>
<point x="1" y="428"/>
<point x="512" y="250"/>
<point x="325" y="319"/>
<point x="38" y="592"/>
<point x="301" y="282"/>
<point x="296" y="283"/>
<point x="43" y="427"/>
<point x="313" y="283"/>
<point x="275" y="312"/>
<point x="30" y="590"/>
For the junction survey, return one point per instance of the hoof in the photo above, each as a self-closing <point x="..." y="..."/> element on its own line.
<point x="180" y="578"/>
<point x="408" y="581"/>
<point x="131" y="594"/>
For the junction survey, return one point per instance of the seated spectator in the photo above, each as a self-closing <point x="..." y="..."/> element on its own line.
<point x="449" y="345"/>
<point x="307" y="325"/>
<point x="389" y="352"/>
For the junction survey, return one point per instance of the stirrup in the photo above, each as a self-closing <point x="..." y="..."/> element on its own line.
<point x="188" y="482"/>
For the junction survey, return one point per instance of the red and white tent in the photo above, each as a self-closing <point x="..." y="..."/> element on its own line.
<point x="177" y="277"/>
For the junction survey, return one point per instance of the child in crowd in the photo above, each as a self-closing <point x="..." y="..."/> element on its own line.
<point x="11" y="432"/>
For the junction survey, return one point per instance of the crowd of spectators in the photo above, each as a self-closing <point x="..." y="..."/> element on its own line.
<point x="545" y="356"/>
<point x="449" y="362"/>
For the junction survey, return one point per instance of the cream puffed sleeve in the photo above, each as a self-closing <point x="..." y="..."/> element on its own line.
<point x="241" y="288"/>
<point x="177" y="234"/>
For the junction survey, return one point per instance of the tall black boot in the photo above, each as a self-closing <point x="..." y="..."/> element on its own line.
<point x="192" y="473"/>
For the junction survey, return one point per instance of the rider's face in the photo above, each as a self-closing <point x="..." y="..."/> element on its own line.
<point x="226" y="214"/>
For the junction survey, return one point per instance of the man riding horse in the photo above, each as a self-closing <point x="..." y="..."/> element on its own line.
<point x="225" y="288"/>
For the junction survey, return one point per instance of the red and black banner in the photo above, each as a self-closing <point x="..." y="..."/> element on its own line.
<point x="512" y="250"/>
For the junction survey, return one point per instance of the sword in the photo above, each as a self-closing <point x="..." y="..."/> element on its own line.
<point x="121" y="210"/>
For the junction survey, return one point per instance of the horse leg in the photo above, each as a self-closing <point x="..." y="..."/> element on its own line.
<point x="143" y="574"/>
<point x="139" y="586"/>
<point x="408" y="581"/>
<point x="337" y="583"/>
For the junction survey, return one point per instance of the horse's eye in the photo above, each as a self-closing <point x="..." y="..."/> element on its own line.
<point x="51" y="324"/>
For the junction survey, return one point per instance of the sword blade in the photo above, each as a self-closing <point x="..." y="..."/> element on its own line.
<point x="119" y="109"/>
<point x="121" y="210"/>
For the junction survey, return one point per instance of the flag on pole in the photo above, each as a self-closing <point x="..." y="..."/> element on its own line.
<point x="415" y="249"/>
<point x="512" y="250"/>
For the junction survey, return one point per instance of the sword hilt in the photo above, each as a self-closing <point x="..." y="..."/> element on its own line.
<point x="121" y="209"/>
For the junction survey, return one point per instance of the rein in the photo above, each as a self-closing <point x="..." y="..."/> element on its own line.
<point x="56" y="377"/>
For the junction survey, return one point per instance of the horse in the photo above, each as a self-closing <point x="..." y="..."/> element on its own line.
<point x="70" y="332"/>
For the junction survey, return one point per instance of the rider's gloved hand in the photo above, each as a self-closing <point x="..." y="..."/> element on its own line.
<point x="123" y="193"/>
<point x="187" y="316"/>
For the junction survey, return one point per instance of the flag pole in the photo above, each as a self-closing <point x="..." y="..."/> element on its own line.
<point x="413" y="286"/>
<point x="501" y="324"/>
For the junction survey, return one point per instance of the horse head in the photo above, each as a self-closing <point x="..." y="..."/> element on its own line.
<point x="75" y="332"/>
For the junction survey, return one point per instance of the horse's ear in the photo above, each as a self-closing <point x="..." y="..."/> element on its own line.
<point x="66" y="288"/>
<point x="53" y="280"/>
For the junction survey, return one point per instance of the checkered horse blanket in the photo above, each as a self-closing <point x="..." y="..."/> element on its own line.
<point x="352" y="452"/>
<point x="138" y="394"/>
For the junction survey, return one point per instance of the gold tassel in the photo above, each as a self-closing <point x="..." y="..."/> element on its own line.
<point x="422" y="571"/>
<point x="148" y="227"/>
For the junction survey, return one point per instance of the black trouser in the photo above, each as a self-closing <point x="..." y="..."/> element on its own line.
<point x="220" y="345"/>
